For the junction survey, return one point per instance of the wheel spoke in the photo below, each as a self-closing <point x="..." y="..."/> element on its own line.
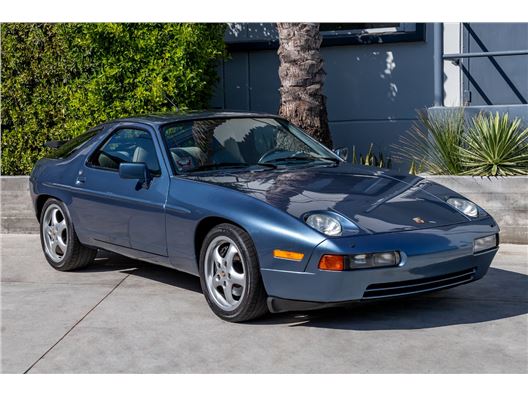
<point x="53" y="247"/>
<point x="61" y="245"/>
<point x="217" y="257"/>
<point x="230" y="254"/>
<point x="54" y="219"/>
<point x="228" y="293"/>
<point x="47" y="230"/>
<point x="47" y="239"/>
<point x="61" y="226"/>
<point x="237" y="278"/>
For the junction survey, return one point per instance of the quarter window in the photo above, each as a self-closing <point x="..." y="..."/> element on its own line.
<point x="73" y="145"/>
<point x="127" y="145"/>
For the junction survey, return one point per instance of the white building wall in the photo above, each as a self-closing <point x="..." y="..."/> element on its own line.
<point x="452" y="74"/>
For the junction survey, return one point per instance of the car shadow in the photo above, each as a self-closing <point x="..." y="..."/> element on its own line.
<point x="500" y="294"/>
<point x="108" y="261"/>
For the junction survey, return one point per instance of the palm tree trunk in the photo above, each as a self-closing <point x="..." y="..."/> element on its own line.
<point x="302" y="77"/>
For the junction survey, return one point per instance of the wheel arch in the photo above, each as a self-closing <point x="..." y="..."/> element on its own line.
<point x="41" y="200"/>
<point x="202" y="229"/>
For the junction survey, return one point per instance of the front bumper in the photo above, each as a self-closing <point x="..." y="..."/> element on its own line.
<point x="434" y="259"/>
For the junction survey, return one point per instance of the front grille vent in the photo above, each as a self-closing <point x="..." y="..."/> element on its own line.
<point x="395" y="289"/>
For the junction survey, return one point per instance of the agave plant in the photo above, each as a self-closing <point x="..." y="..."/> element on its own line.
<point x="370" y="158"/>
<point x="434" y="142"/>
<point x="494" y="146"/>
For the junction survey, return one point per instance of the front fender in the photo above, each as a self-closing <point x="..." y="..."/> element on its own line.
<point x="189" y="202"/>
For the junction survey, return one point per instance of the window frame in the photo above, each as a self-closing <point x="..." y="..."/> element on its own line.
<point x="88" y="163"/>
<point x="406" y="32"/>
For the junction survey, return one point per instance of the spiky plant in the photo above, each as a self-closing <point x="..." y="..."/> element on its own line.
<point x="495" y="146"/>
<point x="434" y="141"/>
<point x="370" y="158"/>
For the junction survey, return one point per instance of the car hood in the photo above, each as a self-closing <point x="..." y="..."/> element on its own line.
<point x="376" y="200"/>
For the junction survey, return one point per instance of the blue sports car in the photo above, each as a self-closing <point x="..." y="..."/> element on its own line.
<point x="268" y="218"/>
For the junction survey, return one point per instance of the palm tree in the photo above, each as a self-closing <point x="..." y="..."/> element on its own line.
<point x="302" y="77"/>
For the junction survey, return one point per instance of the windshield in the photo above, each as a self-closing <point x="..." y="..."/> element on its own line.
<point x="240" y="143"/>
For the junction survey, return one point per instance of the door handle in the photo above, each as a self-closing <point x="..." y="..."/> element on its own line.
<point x="80" y="180"/>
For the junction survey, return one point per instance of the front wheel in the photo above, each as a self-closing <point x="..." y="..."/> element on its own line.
<point x="60" y="244"/>
<point x="230" y="274"/>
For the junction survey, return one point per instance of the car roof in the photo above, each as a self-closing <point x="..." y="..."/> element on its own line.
<point x="168" y="118"/>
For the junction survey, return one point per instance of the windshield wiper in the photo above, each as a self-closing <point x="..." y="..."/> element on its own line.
<point x="219" y="166"/>
<point x="304" y="158"/>
<point x="224" y="165"/>
<point x="337" y="161"/>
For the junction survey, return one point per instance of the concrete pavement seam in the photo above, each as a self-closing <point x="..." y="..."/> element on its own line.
<point x="76" y="323"/>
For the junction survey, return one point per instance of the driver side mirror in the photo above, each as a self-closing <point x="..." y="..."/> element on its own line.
<point x="341" y="152"/>
<point x="135" y="170"/>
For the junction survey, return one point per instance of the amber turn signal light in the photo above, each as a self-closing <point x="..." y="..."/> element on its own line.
<point x="331" y="262"/>
<point x="286" y="255"/>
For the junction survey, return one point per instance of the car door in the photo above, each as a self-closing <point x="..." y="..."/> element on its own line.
<point x="122" y="212"/>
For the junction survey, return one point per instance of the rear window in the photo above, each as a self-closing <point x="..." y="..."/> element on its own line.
<point x="73" y="145"/>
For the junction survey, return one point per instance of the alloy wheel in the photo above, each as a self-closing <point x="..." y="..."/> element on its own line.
<point x="225" y="273"/>
<point x="55" y="233"/>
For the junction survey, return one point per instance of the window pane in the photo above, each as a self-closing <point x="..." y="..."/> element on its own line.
<point x="324" y="27"/>
<point x="127" y="145"/>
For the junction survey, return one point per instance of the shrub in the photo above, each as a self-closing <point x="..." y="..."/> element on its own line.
<point x="433" y="142"/>
<point x="444" y="144"/>
<point x="494" y="146"/>
<point x="60" y="79"/>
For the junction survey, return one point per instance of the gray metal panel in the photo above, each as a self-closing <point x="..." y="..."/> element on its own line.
<point x="264" y="81"/>
<point x="499" y="80"/>
<point x="236" y="82"/>
<point x="362" y="83"/>
<point x="374" y="82"/>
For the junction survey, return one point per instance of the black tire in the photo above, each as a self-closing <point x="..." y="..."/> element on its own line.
<point x="253" y="299"/>
<point x="77" y="255"/>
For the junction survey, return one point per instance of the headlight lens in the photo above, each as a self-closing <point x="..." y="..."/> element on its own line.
<point x="325" y="224"/>
<point x="485" y="243"/>
<point x="464" y="206"/>
<point x="331" y="262"/>
<point x="372" y="260"/>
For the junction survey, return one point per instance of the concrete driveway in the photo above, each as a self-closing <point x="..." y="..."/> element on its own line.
<point x="123" y="316"/>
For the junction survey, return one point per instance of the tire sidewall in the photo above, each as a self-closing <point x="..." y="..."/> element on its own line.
<point x="69" y="226"/>
<point x="251" y="268"/>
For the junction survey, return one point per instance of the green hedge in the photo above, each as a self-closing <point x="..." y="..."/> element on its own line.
<point x="60" y="79"/>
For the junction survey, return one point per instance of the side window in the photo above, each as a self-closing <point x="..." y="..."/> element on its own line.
<point x="127" y="145"/>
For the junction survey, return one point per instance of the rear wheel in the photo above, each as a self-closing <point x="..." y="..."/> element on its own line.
<point x="60" y="244"/>
<point x="230" y="274"/>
